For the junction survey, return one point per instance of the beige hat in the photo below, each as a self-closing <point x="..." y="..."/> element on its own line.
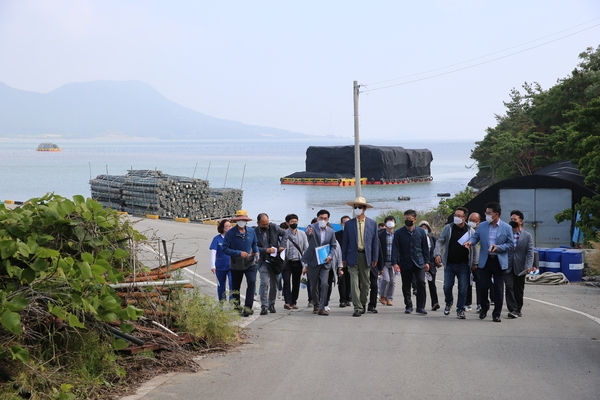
<point x="425" y="223"/>
<point x="241" y="215"/>
<point x="360" y="201"/>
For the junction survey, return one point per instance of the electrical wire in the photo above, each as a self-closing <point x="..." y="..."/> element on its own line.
<point x="474" y="65"/>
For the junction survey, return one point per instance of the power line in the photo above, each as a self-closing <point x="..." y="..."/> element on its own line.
<point x="481" y="63"/>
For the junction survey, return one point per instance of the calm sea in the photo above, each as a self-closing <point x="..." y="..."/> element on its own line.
<point x="254" y="166"/>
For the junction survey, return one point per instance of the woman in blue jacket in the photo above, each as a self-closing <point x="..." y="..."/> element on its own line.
<point x="219" y="261"/>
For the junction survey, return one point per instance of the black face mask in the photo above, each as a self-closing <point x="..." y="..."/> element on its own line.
<point x="514" y="224"/>
<point x="409" y="222"/>
<point x="264" y="228"/>
<point x="293" y="226"/>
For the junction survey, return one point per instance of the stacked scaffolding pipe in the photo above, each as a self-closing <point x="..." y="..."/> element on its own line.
<point x="152" y="192"/>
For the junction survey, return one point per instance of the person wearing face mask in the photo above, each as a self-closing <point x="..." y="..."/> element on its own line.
<point x="474" y="219"/>
<point x="241" y="246"/>
<point x="219" y="261"/>
<point x="319" y="234"/>
<point x="384" y="263"/>
<point x="296" y="246"/>
<point x="496" y="238"/>
<point x="455" y="258"/>
<point x="410" y="256"/>
<point x="272" y="240"/>
<point x="360" y="252"/>
<point x="520" y="262"/>
<point x="431" y="241"/>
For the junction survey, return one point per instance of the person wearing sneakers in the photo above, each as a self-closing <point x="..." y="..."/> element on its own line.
<point x="317" y="268"/>
<point x="384" y="264"/>
<point x="430" y="275"/>
<point x="240" y="244"/>
<point x="450" y="252"/>
<point x="360" y="251"/>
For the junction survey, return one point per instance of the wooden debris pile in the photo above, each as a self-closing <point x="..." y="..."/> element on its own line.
<point x="154" y="291"/>
<point x="143" y="192"/>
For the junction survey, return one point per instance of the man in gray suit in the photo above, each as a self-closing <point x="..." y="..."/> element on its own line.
<point x="520" y="262"/>
<point x="319" y="234"/>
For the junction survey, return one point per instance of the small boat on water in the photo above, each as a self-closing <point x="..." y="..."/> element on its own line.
<point x="48" y="147"/>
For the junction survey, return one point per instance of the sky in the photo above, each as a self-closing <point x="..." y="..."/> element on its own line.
<point x="292" y="65"/>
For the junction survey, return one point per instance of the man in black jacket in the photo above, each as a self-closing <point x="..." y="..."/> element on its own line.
<point x="272" y="240"/>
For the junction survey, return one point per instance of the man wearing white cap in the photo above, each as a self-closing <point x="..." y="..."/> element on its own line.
<point x="360" y="251"/>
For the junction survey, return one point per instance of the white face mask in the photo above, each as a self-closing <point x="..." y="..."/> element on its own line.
<point x="458" y="220"/>
<point x="322" y="223"/>
<point x="358" y="211"/>
<point x="390" y="224"/>
<point x="241" y="224"/>
<point x="472" y="224"/>
<point x="488" y="218"/>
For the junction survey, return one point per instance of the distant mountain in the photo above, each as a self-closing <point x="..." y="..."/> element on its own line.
<point x="114" y="109"/>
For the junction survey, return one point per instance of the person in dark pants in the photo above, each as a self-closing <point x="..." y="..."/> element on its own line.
<point x="496" y="241"/>
<point x="344" y="276"/>
<point x="474" y="219"/>
<point x="410" y="256"/>
<point x="241" y="246"/>
<point x="520" y="262"/>
<point x="435" y="305"/>
<point x="291" y="273"/>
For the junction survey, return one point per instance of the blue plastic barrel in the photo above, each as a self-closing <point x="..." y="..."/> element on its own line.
<point x="553" y="258"/>
<point x="542" y="258"/>
<point x="571" y="265"/>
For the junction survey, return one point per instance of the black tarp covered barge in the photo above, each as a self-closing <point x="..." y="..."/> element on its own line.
<point x="380" y="165"/>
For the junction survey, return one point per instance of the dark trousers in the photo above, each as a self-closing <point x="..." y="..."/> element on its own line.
<point x="222" y="276"/>
<point x="373" y="277"/>
<point x="291" y="274"/>
<point x="433" y="290"/>
<point x="236" y="277"/>
<point x="469" y="296"/>
<point x="492" y="269"/>
<point x="407" y="277"/>
<point x="344" y="286"/>
<point x="515" y="288"/>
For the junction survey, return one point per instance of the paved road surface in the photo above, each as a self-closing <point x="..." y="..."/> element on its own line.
<point x="551" y="353"/>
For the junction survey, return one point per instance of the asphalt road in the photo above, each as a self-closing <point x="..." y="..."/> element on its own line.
<point x="552" y="352"/>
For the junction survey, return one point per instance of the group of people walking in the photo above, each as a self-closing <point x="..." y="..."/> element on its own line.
<point x="366" y="260"/>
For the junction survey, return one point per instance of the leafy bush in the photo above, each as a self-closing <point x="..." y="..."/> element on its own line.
<point x="208" y="319"/>
<point x="57" y="258"/>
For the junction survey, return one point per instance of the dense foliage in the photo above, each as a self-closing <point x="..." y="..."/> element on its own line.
<point x="58" y="257"/>
<point x="541" y="127"/>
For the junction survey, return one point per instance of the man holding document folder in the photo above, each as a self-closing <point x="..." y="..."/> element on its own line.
<point x="321" y="246"/>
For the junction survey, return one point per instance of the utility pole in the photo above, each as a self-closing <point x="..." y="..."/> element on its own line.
<point x="356" y="141"/>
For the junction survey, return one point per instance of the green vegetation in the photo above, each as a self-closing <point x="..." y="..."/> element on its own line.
<point x="209" y="319"/>
<point x="541" y="127"/>
<point x="58" y="258"/>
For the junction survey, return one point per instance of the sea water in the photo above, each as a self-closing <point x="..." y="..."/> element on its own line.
<point x="254" y="166"/>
